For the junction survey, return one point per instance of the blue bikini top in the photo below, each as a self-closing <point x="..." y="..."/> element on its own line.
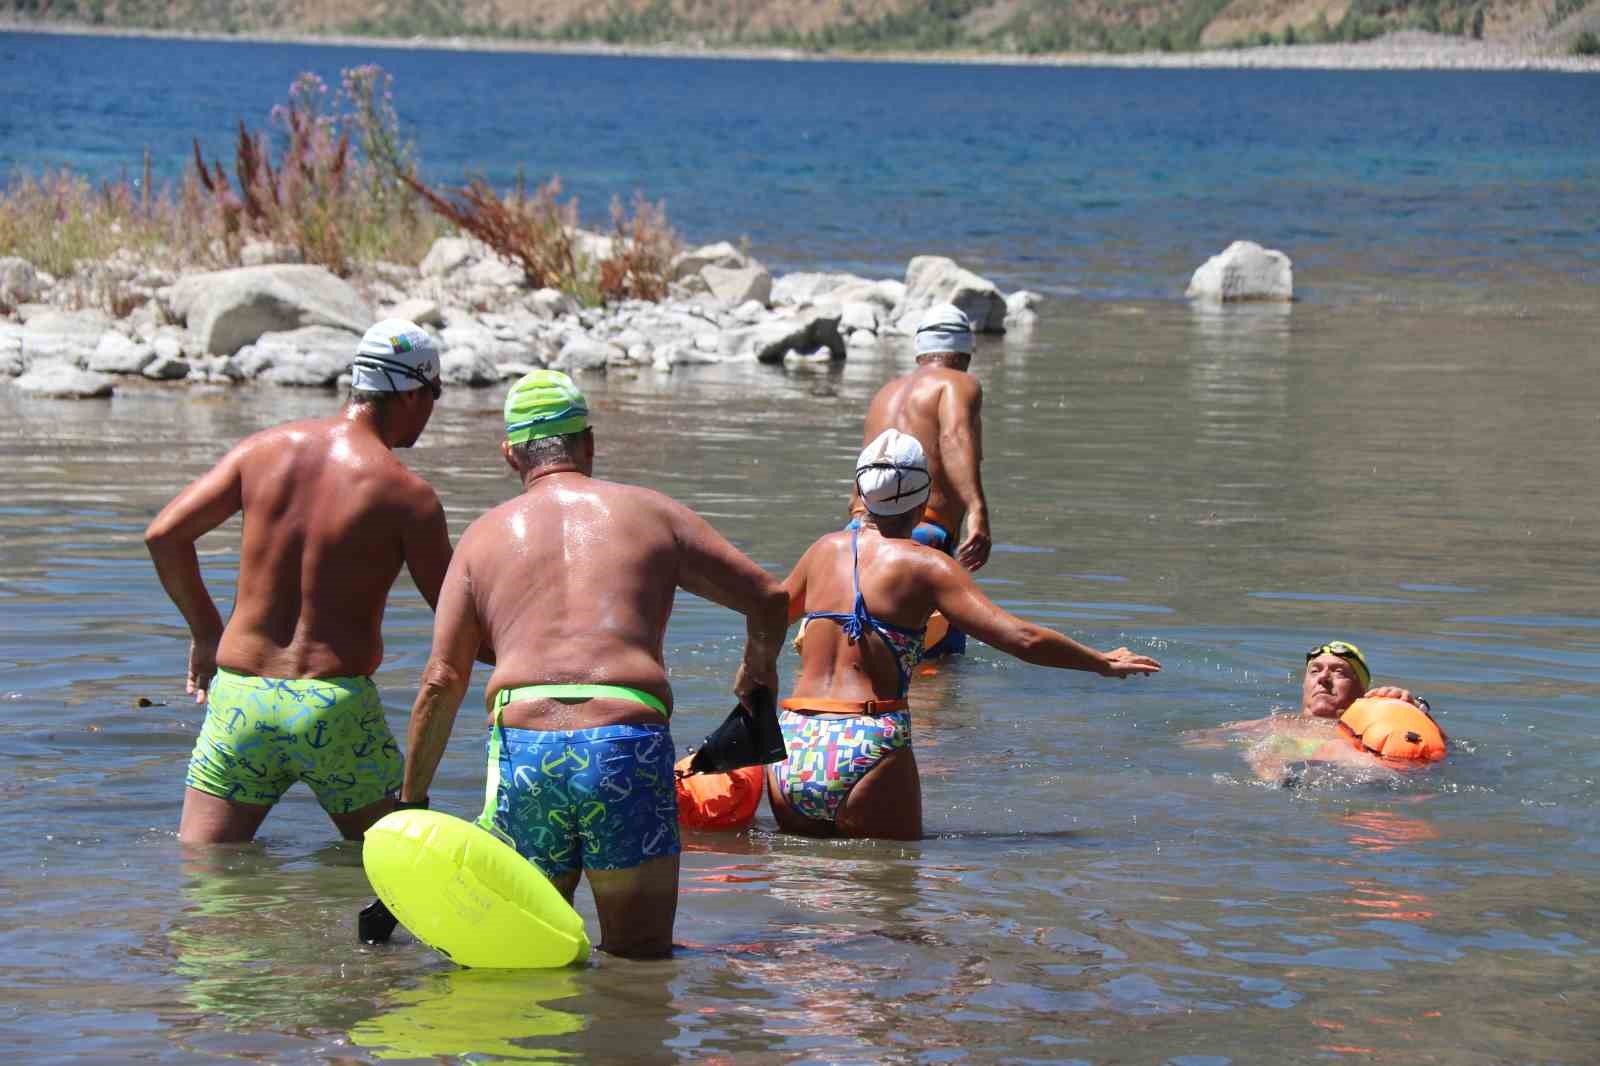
<point x="905" y="644"/>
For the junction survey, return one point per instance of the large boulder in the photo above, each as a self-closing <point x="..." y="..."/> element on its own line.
<point x="803" y="288"/>
<point x="64" y="381"/>
<point x="552" y="303"/>
<point x="228" y="309"/>
<point x="422" y="311"/>
<point x="313" y="357"/>
<point x="262" y="253"/>
<point x="735" y="285"/>
<point x="19" y="282"/>
<point x="495" y="272"/>
<point x="1244" y="271"/>
<point x="934" y="279"/>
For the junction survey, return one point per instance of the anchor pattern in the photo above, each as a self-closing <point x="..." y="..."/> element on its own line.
<point x="598" y="799"/>
<point x="261" y="735"/>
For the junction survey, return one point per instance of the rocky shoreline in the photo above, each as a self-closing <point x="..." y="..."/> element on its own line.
<point x="1404" y="50"/>
<point x="281" y="322"/>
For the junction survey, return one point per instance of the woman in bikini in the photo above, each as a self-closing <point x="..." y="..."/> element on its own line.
<point x="851" y="771"/>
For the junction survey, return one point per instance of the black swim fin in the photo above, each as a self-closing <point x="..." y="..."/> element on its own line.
<point x="376" y="923"/>
<point x="743" y="739"/>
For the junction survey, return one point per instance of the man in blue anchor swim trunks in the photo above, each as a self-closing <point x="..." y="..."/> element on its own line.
<point x="331" y="515"/>
<point x="572" y="583"/>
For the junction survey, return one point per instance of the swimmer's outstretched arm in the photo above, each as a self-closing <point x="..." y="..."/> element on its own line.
<point x="958" y="596"/>
<point x="457" y="636"/>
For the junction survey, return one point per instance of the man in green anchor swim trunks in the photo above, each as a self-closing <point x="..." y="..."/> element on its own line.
<point x="572" y="583"/>
<point x="331" y="515"/>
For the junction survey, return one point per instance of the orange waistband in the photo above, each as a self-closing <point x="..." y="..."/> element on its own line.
<point x="814" y="703"/>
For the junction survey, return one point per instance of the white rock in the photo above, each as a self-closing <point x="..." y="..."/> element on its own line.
<point x="769" y="342"/>
<point x="1023" y="300"/>
<point x="422" y="311"/>
<point x="447" y="254"/>
<point x="19" y="282"/>
<point x="227" y="309"/>
<point x="495" y="272"/>
<point x="1244" y="271"/>
<point x="263" y="253"/>
<point x="512" y="371"/>
<point x="858" y="315"/>
<point x="116" y="354"/>
<point x="63" y="335"/>
<point x="722" y="254"/>
<point x="314" y="356"/>
<point x="750" y="312"/>
<point x="593" y="247"/>
<point x="934" y="279"/>
<point x="467" y="366"/>
<point x="862" y="338"/>
<point x="586" y="353"/>
<point x="163" y="369"/>
<point x="63" y="381"/>
<point x="11" y="362"/>
<point x="734" y="286"/>
<point x="803" y="287"/>
<point x="552" y="303"/>
<point x="169" y="342"/>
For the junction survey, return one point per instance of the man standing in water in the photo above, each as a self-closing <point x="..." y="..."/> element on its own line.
<point x="939" y="404"/>
<point x="331" y="515"/>
<point x="572" y="583"/>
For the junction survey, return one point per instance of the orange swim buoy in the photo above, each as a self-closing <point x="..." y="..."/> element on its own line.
<point x="718" y="801"/>
<point x="1393" y="729"/>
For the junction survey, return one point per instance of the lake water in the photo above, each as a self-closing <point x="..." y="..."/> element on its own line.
<point x="1403" y="458"/>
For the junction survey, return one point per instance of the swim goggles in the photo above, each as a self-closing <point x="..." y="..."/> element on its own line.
<point x="1350" y="654"/>
<point x="390" y="367"/>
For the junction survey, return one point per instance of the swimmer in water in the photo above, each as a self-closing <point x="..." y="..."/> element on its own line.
<point x="868" y="590"/>
<point x="1336" y="675"/>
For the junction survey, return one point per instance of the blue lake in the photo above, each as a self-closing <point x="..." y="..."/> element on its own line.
<point x="1404" y="457"/>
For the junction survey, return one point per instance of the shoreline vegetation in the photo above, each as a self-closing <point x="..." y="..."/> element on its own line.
<point x="270" y="266"/>
<point x="1404" y="49"/>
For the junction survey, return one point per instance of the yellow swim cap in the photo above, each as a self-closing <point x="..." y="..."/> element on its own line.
<point x="544" y="403"/>
<point x="1350" y="654"/>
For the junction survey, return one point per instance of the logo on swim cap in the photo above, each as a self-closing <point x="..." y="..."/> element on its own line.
<point x="544" y="403"/>
<point x="892" y="474"/>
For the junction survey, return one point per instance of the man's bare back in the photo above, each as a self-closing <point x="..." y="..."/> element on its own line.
<point x="330" y="516"/>
<point x="940" y="407"/>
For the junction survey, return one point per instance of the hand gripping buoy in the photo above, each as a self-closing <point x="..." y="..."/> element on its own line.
<point x="468" y="895"/>
<point x="1393" y="729"/>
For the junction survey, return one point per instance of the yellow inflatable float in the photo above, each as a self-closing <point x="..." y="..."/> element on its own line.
<point x="468" y="895"/>
<point x="1393" y="730"/>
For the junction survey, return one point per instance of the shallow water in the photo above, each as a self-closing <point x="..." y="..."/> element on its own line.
<point x="1403" y="459"/>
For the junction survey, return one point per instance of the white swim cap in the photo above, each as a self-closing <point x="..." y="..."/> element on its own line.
<point x="944" y="328"/>
<point x="395" y="356"/>
<point x="892" y="474"/>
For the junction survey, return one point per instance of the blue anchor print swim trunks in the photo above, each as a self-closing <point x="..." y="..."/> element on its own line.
<point x="592" y="799"/>
<point x="261" y="735"/>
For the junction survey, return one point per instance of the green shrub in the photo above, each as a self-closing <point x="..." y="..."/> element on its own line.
<point x="1587" y="44"/>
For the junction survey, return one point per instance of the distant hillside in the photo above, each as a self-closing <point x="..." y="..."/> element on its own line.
<point x="1008" y="26"/>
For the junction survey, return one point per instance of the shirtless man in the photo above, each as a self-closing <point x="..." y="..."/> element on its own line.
<point x="939" y="404"/>
<point x="331" y="515"/>
<point x="572" y="583"/>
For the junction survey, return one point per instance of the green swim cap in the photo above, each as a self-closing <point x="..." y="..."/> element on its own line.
<point x="544" y="403"/>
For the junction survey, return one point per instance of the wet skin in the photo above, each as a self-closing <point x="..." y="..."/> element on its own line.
<point x="903" y="582"/>
<point x="331" y="515"/>
<point x="940" y="404"/>
<point x="572" y="581"/>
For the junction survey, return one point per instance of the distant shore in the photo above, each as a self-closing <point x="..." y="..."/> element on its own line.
<point x="1406" y="50"/>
